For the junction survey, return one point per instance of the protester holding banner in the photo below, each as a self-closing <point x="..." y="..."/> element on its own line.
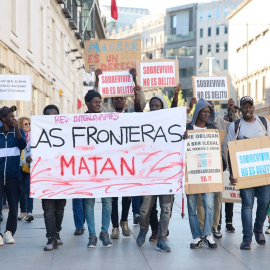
<point x="53" y="208"/>
<point x="203" y="118"/>
<point x="93" y="102"/>
<point x="12" y="141"/>
<point x="148" y="207"/>
<point x="26" y="203"/>
<point x="250" y="126"/>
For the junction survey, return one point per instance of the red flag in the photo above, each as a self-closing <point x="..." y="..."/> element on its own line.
<point x="79" y="104"/>
<point x="114" y="11"/>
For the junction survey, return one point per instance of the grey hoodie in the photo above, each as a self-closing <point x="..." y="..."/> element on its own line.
<point x="201" y="104"/>
<point x="162" y="99"/>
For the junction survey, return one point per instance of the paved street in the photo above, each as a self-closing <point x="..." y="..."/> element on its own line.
<point x="27" y="252"/>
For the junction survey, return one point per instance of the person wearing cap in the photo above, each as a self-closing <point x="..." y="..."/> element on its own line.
<point x="12" y="141"/>
<point x="250" y="126"/>
<point x="93" y="102"/>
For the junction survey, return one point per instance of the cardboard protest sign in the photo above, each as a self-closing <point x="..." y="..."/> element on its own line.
<point x="204" y="162"/>
<point x="157" y="73"/>
<point x="211" y="88"/>
<point x="117" y="83"/>
<point x="230" y="194"/>
<point x="250" y="161"/>
<point x="15" y="87"/>
<point x="111" y="54"/>
<point x="108" y="154"/>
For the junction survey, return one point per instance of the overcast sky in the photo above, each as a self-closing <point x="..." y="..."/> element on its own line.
<point x="154" y="6"/>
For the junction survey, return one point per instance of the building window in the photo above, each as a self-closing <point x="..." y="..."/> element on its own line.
<point x="256" y="90"/>
<point x="185" y="72"/>
<point x="201" y="33"/>
<point x="226" y="12"/>
<point x="209" y="48"/>
<point x="14" y="17"/>
<point x="217" y="30"/>
<point x="218" y="12"/>
<point x="210" y="14"/>
<point x="173" y="24"/>
<point x="225" y="67"/>
<point x="201" y="50"/>
<point x="209" y="31"/>
<point x="217" y="47"/>
<point x="191" y="20"/>
<point x="200" y="64"/>
<point x="146" y="42"/>
<point x="201" y="15"/>
<point x="263" y="87"/>
<point x="225" y="46"/>
<point x="225" y="29"/>
<point x="2" y="70"/>
<point x="218" y="62"/>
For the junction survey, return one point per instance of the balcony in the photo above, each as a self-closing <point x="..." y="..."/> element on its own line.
<point x="78" y="35"/>
<point x="60" y="1"/>
<point x="179" y="37"/>
<point x="73" y="25"/>
<point x="66" y="13"/>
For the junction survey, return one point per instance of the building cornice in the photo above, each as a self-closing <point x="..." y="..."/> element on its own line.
<point x="238" y="8"/>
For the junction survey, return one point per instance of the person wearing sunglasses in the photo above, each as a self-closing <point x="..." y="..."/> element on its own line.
<point x="26" y="203"/>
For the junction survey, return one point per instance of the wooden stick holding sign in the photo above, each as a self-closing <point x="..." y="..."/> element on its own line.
<point x="211" y="88"/>
<point x="157" y="73"/>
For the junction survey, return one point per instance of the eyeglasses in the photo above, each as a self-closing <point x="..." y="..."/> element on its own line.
<point x="27" y="124"/>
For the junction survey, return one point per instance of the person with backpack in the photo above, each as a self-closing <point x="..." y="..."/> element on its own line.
<point x="250" y="126"/>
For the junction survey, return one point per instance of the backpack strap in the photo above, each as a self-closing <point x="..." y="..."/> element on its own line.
<point x="263" y="120"/>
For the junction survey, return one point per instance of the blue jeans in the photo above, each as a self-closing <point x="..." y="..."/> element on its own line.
<point x="247" y="195"/>
<point x="136" y="205"/>
<point x="78" y="213"/>
<point x="208" y="204"/>
<point x="106" y="214"/>
<point x="26" y="203"/>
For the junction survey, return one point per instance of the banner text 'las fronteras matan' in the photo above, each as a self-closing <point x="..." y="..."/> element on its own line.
<point x="108" y="154"/>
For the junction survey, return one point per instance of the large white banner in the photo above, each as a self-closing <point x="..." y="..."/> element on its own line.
<point x="108" y="154"/>
<point x="15" y="87"/>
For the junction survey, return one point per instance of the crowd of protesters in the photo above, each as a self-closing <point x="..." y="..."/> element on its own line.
<point x="204" y="210"/>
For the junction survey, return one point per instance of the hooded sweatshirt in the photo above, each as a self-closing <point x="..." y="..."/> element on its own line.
<point x="201" y="104"/>
<point x="162" y="99"/>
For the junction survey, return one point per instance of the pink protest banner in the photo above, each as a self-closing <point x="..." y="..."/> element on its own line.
<point x="117" y="83"/>
<point x="157" y="73"/>
<point x="108" y="154"/>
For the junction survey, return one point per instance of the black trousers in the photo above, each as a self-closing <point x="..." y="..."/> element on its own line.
<point x="12" y="189"/>
<point x="126" y="201"/>
<point x="53" y="215"/>
<point x="153" y="218"/>
<point x="228" y="213"/>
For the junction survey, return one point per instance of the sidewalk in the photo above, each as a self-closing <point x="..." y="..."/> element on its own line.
<point x="27" y="252"/>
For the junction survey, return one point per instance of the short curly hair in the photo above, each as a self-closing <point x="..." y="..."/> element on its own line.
<point x="20" y="121"/>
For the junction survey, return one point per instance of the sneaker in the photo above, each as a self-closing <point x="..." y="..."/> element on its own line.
<point x="245" y="245"/>
<point x="59" y="240"/>
<point x="153" y="237"/>
<point x="230" y="228"/>
<point x="217" y="234"/>
<point x="197" y="242"/>
<point x="22" y="216"/>
<point x="161" y="245"/>
<point x="78" y="231"/>
<point x="105" y="239"/>
<point x="8" y="238"/>
<point x="210" y="242"/>
<point x="51" y="244"/>
<point x="267" y="231"/>
<point x="115" y="233"/>
<point x="1" y="240"/>
<point x="141" y="238"/>
<point x="125" y="228"/>
<point x="29" y="217"/>
<point x="92" y="241"/>
<point x="136" y="219"/>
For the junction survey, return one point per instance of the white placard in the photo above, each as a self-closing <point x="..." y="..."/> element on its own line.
<point x="117" y="83"/>
<point x="211" y="88"/>
<point x="15" y="87"/>
<point x="108" y="154"/>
